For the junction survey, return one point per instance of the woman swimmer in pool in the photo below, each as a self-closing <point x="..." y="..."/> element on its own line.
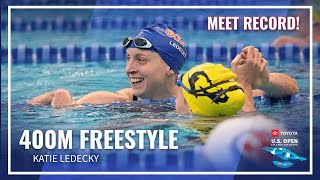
<point x="154" y="58"/>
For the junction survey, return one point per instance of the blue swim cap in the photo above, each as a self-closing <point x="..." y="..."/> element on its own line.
<point x="167" y="43"/>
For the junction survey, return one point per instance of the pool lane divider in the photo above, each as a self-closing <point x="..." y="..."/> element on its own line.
<point x="216" y="53"/>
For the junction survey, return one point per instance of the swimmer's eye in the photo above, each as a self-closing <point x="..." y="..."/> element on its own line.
<point x="128" y="58"/>
<point x="141" y="60"/>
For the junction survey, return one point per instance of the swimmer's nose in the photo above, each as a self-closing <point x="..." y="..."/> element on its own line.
<point x="131" y="67"/>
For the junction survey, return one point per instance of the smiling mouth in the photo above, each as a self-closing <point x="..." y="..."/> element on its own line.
<point x="136" y="80"/>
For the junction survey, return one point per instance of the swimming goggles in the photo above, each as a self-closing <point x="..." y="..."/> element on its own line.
<point x="203" y="91"/>
<point x="139" y="42"/>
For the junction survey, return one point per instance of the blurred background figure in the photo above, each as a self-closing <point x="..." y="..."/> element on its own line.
<point x="240" y="141"/>
<point x="301" y="37"/>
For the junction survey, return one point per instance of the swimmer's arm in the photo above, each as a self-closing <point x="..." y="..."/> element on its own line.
<point x="105" y="97"/>
<point x="248" y="103"/>
<point x="282" y="40"/>
<point x="280" y="85"/>
<point x="43" y="99"/>
<point x="58" y="99"/>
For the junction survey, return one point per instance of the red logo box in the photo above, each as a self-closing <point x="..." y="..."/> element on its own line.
<point x="275" y="133"/>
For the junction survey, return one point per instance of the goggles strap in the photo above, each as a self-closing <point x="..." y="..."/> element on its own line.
<point x="220" y="93"/>
<point x="211" y="86"/>
<point x="231" y="88"/>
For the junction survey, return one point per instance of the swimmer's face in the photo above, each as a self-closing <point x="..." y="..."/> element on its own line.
<point x="147" y="73"/>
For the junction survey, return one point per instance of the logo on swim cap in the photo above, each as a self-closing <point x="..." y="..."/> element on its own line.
<point x="175" y="36"/>
<point x="217" y="97"/>
<point x="211" y="90"/>
<point x="168" y="44"/>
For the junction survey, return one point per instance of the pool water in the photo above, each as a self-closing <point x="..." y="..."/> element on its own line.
<point x="31" y="80"/>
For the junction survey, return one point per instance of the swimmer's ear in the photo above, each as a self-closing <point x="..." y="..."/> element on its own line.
<point x="170" y="72"/>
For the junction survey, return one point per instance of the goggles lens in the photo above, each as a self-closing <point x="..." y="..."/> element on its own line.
<point x="126" y="42"/>
<point x="139" y="42"/>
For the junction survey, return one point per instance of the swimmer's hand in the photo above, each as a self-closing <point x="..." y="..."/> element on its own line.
<point x="60" y="98"/>
<point x="246" y="65"/>
<point x="276" y="85"/>
<point x="262" y="78"/>
<point x="247" y="68"/>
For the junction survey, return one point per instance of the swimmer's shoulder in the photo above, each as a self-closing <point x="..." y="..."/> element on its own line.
<point x="126" y="93"/>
